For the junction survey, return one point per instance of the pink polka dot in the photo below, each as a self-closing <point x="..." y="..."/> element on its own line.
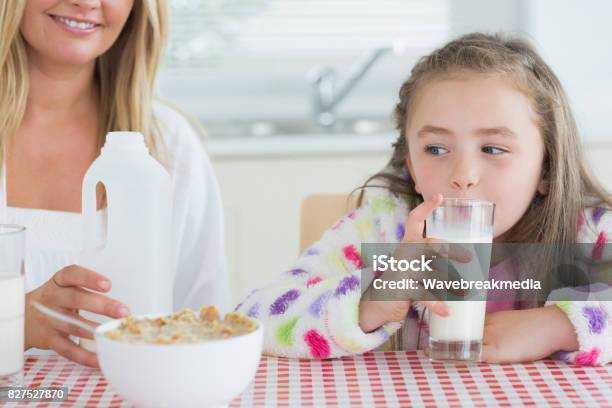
<point x="338" y="224"/>
<point x="600" y="244"/>
<point x="313" y="281"/>
<point x="352" y="255"/>
<point x="588" y="357"/>
<point x="580" y="221"/>
<point x="319" y="348"/>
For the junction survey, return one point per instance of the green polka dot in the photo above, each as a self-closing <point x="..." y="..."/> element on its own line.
<point x="365" y="227"/>
<point x="564" y="305"/>
<point x="284" y="334"/>
<point x="336" y="260"/>
<point x="382" y="205"/>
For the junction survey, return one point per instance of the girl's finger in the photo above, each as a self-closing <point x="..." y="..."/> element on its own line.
<point x="422" y="295"/>
<point x="487" y="354"/>
<point x="81" y="299"/>
<point x="415" y="223"/>
<point x="75" y="275"/>
<point x="436" y="306"/>
<point x="67" y="348"/>
<point x="455" y="251"/>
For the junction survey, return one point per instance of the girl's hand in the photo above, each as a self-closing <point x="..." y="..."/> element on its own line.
<point x="518" y="336"/>
<point x="375" y="313"/>
<point x="66" y="292"/>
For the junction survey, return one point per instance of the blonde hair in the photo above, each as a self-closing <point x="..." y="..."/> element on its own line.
<point x="550" y="218"/>
<point x="124" y="75"/>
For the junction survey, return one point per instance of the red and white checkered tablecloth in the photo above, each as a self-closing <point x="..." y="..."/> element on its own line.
<point x="373" y="379"/>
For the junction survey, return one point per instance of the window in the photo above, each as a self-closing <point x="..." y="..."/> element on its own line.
<point x="204" y="30"/>
<point x="249" y="58"/>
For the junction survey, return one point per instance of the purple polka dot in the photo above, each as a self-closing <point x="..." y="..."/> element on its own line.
<point x="281" y="304"/>
<point x="253" y="311"/>
<point x="399" y="231"/>
<point x="311" y="251"/>
<point x="564" y="355"/>
<point x="347" y="284"/>
<point x="596" y="317"/>
<point x="296" y="272"/>
<point x="316" y="307"/>
<point x="597" y="213"/>
<point x="383" y="334"/>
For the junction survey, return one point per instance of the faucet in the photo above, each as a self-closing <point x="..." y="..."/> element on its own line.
<point x="327" y="92"/>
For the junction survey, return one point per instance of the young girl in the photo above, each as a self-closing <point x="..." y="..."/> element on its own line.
<point x="482" y="117"/>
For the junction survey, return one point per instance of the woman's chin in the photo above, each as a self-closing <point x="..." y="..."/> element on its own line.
<point x="73" y="57"/>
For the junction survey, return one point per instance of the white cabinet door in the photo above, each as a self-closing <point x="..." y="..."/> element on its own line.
<point x="262" y="198"/>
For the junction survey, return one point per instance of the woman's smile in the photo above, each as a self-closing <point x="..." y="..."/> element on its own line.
<point x="75" y="25"/>
<point x="72" y="32"/>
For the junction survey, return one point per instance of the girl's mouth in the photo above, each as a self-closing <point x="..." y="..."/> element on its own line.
<point x="75" y="26"/>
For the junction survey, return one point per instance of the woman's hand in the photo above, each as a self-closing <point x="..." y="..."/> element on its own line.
<point x="375" y="313"/>
<point x="67" y="293"/>
<point x="518" y="336"/>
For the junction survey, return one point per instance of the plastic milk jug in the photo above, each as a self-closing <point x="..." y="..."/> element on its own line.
<point x="133" y="246"/>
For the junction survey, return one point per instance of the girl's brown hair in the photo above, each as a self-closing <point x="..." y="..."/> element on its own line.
<point x="551" y="218"/>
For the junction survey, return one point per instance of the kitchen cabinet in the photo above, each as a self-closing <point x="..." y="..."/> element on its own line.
<point x="262" y="198"/>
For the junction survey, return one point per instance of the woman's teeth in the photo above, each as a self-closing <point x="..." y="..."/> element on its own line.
<point x="75" y="24"/>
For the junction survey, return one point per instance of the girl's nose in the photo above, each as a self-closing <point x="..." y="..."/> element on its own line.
<point x="465" y="176"/>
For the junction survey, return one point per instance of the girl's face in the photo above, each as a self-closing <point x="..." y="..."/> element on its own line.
<point x="476" y="137"/>
<point x="73" y="32"/>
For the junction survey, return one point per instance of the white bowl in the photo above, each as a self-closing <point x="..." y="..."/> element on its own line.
<point x="203" y="374"/>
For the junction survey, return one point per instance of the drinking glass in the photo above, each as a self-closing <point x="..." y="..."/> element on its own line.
<point x="467" y="223"/>
<point x="12" y="304"/>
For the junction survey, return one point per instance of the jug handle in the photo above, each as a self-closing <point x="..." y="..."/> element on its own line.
<point x="88" y="207"/>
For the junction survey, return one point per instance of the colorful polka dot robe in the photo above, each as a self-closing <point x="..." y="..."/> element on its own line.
<point x="592" y="318"/>
<point x="311" y="310"/>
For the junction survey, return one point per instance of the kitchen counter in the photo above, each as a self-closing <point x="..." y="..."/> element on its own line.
<point x="321" y="145"/>
<point x="299" y="145"/>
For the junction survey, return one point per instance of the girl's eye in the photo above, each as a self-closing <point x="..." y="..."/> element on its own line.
<point x="435" y="150"/>
<point x="493" y="150"/>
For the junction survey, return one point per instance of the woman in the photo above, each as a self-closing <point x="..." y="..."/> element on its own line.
<point x="70" y="71"/>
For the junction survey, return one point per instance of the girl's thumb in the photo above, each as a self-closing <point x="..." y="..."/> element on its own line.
<point x="436" y="306"/>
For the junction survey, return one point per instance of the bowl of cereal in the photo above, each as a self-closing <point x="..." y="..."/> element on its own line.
<point x="180" y="360"/>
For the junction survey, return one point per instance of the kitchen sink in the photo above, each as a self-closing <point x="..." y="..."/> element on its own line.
<point x="297" y="127"/>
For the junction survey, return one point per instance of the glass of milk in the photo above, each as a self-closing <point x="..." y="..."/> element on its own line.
<point x="12" y="304"/>
<point x="469" y="222"/>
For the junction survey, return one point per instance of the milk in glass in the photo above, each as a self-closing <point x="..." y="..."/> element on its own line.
<point x="458" y="336"/>
<point x="12" y="294"/>
<point x="12" y="304"/>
